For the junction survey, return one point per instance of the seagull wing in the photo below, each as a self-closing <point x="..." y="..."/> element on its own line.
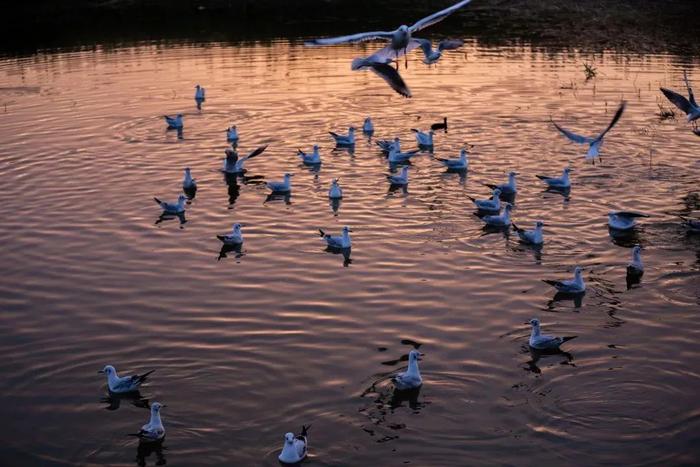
<point x="437" y="17"/>
<point x="392" y="77"/>
<point x="450" y="44"/>
<point x="424" y="44"/>
<point x="615" y="119"/>
<point x="676" y="99"/>
<point x="359" y="37"/>
<point x="254" y="153"/>
<point x="573" y="136"/>
<point x="690" y="91"/>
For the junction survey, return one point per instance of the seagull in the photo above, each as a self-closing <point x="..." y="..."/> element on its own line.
<point x="232" y="134"/>
<point x="432" y="56"/>
<point x="410" y="379"/>
<point x="424" y="139"/>
<point x="154" y="429"/>
<point x="399" y="180"/>
<point x="173" y="208"/>
<point x="687" y="106"/>
<point x="199" y="93"/>
<point x="235" y="165"/>
<point x="636" y="267"/>
<point x="594" y="143"/>
<point x="501" y="220"/>
<point x="174" y="123"/>
<point x="543" y="342"/>
<point x="368" y="126"/>
<point x="575" y="285"/>
<point x="533" y="237"/>
<point x="462" y="163"/>
<point x="335" y="192"/>
<point x="560" y="183"/>
<point x="396" y="157"/>
<point x="338" y="241"/>
<point x="623" y="220"/>
<point x="123" y="384"/>
<point x="381" y="68"/>
<point x="188" y="183"/>
<point x="493" y="204"/>
<point x="313" y="158"/>
<point x="692" y="224"/>
<point x="283" y="186"/>
<point x="295" y="447"/>
<point x="387" y="145"/>
<point x="440" y="126"/>
<point x="508" y="188"/>
<point x="344" y="140"/>
<point x="233" y="238"/>
<point x="400" y="38"/>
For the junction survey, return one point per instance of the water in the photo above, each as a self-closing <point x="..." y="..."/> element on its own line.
<point x="254" y="344"/>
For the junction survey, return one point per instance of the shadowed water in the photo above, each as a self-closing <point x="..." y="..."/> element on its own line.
<point x="253" y="343"/>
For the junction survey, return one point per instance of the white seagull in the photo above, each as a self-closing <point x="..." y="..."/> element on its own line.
<point x="543" y="342"/>
<point x="687" y="106"/>
<point x="594" y="143"/>
<point x="232" y="134"/>
<point x="501" y="220"/>
<point x="281" y="187"/>
<point x="401" y="179"/>
<point x="400" y="38"/>
<point x="461" y="163"/>
<point x="188" y="183"/>
<point x="233" y="238"/>
<point x="344" y="140"/>
<point x="174" y="123"/>
<point x="313" y="158"/>
<point x="636" y="267"/>
<point x="338" y="241"/>
<point x="534" y="236"/>
<point x="123" y="384"/>
<point x="172" y="208"/>
<point x="508" y="188"/>
<point x="397" y="156"/>
<point x="335" y="192"/>
<point x="387" y="145"/>
<point x="432" y="56"/>
<point x="424" y="139"/>
<point x="560" y="183"/>
<point x="623" y="220"/>
<point x="410" y="379"/>
<point x="378" y="63"/>
<point x="199" y="93"/>
<point x="575" y="285"/>
<point x="295" y="447"/>
<point x="153" y="430"/>
<point x="368" y="126"/>
<point x="234" y="164"/>
<point x="493" y="204"/>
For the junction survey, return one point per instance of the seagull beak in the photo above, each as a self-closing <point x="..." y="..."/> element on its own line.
<point x="163" y="406"/>
<point x="100" y="371"/>
<point x="526" y="322"/>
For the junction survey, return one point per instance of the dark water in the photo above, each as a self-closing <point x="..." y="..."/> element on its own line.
<point x="253" y="345"/>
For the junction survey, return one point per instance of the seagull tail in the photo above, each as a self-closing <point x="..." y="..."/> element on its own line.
<point x="305" y="429"/>
<point x="157" y="201"/>
<point x="472" y="198"/>
<point x="143" y="377"/>
<point x="490" y="185"/>
<point x="542" y="177"/>
<point x="221" y="237"/>
<point x="516" y="228"/>
<point x="414" y="130"/>
<point x="323" y="234"/>
<point x="567" y="338"/>
<point x="550" y="282"/>
<point x="334" y="135"/>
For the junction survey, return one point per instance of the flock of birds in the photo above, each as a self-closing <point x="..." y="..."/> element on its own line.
<point x="494" y="211"/>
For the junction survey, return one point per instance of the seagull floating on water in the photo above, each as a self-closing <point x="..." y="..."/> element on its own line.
<point x="575" y="285"/>
<point x="174" y="123"/>
<point x="295" y="447"/>
<point x="368" y="126"/>
<point x="432" y="56"/>
<point x="123" y="384"/>
<point x="281" y="187"/>
<point x="687" y="106"/>
<point x="396" y="157"/>
<point x="424" y="139"/>
<point x="411" y="378"/>
<point x="501" y="220"/>
<point x="310" y="159"/>
<point x="188" y="183"/>
<point x="636" y="267"/>
<point x="544" y="342"/>
<point x="535" y="236"/>
<point x="461" y="163"/>
<point x="232" y="134"/>
<point x="154" y="430"/>
<point x="440" y="126"/>
<point x="493" y="204"/>
<point x="387" y="145"/>
<point x="335" y="192"/>
<point x="560" y="183"/>
<point x="233" y="238"/>
<point x="509" y="188"/>
<point x="594" y="143"/>
<point x="172" y="208"/>
<point x="338" y="241"/>
<point x="623" y="220"/>
<point x="199" y="93"/>
<point x="235" y="165"/>
<point x="344" y="140"/>
<point x="401" y="179"/>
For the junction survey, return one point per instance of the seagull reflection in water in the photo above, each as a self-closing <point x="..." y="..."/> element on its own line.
<point x="145" y="449"/>
<point x="114" y="400"/>
<point x="229" y="248"/>
<point x="347" y="261"/>
<point x="537" y="354"/>
<point x="167" y="216"/>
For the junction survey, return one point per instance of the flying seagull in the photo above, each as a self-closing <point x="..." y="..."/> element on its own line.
<point x="380" y="66"/>
<point x="432" y="56"/>
<point x="594" y="143"/>
<point x="688" y="106"/>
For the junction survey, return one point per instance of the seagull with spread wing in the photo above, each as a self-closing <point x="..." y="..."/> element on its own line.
<point x="688" y="106"/>
<point x="594" y="143"/>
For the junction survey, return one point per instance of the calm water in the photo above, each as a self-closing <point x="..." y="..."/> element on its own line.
<point x="254" y="344"/>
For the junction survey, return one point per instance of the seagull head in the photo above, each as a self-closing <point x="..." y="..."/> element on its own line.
<point x="346" y="229"/>
<point x="496" y="192"/>
<point x="287" y="175"/>
<point x="512" y="174"/>
<point x="108" y="370"/>
<point x="236" y="227"/>
<point x="335" y="181"/>
<point x="179" y="115"/>
<point x="508" y="207"/>
<point x="196" y="86"/>
<point x="637" y="250"/>
<point x="577" y="271"/>
<point x="539" y="224"/>
<point x="351" y="130"/>
<point x="567" y="170"/>
<point x="413" y="355"/>
<point x="315" y="147"/>
<point x="403" y="29"/>
<point x="156" y="406"/>
<point x="289" y="438"/>
<point x="181" y="198"/>
<point x="534" y="322"/>
<point x="187" y="169"/>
